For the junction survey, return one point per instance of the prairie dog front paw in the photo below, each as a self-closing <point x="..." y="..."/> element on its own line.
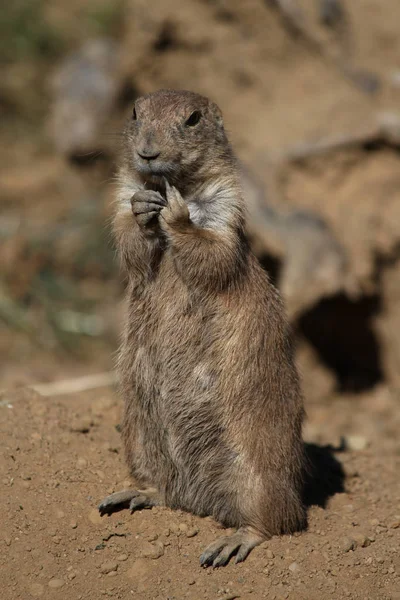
<point x="146" y="207"/>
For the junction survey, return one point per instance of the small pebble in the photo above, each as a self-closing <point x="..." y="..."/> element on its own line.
<point x="154" y="551"/>
<point x="270" y="554"/>
<point x="55" y="583"/>
<point x="82" y="425"/>
<point x="173" y="527"/>
<point x="395" y="524"/>
<point x="356" y="442"/>
<point x="122" y="557"/>
<point x="381" y="529"/>
<point x="294" y="567"/>
<point x="348" y="544"/>
<point x="192" y="532"/>
<point x="108" y="566"/>
<point x="73" y="524"/>
<point x="361" y="540"/>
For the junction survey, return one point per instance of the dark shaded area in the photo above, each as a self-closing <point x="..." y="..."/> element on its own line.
<point x="324" y="477"/>
<point x="167" y="39"/>
<point x="380" y="143"/>
<point x="341" y="332"/>
<point x="90" y="158"/>
<point x="331" y="13"/>
<point x="272" y="265"/>
<point x="128" y="94"/>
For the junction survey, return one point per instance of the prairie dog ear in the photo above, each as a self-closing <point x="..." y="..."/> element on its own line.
<point x="217" y="114"/>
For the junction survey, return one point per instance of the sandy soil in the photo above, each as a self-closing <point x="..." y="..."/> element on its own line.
<point x="61" y="456"/>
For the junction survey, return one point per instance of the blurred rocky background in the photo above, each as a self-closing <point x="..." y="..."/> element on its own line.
<point x="310" y="91"/>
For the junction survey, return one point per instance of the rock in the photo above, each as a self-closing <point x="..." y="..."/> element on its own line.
<point x="192" y="532"/>
<point x="55" y="583"/>
<point x="52" y="532"/>
<point x="395" y="524"/>
<point x="348" y="544"/>
<point x="356" y="442"/>
<point x="183" y="527"/>
<point x="36" y="590"/>
<point x="381" y="529"/>
<point x="73" y="524"/>
<point x="122" y="557"/>
<point x="173" y="527"/>
<point x="361" y="540"/>
<point x="82" y="425"/>
<point x="293" y="567"/>
<point x="81" y="463"/>
<point x="84" y="88"/>
<point x="270" y="554"/>
<point x="154" y="551"/>
<point x="108" y="566"/>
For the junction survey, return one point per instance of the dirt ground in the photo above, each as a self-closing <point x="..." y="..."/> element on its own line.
<point x="62" y="454"/>
<point x="60" y="457"/>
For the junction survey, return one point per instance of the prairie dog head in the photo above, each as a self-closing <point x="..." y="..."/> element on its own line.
<point x="176" y="135"/>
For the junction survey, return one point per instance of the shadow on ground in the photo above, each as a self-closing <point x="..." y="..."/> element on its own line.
<point x="325" y="475"/>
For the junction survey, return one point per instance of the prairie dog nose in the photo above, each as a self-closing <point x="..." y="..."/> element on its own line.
<point x="148" y="154"/>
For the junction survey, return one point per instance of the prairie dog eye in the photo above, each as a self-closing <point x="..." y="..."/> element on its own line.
<point x="194" y="118"/>
<point x="134" y="115"/>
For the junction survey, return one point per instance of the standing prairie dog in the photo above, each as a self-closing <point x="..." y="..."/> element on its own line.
<point x="213" y="411"/>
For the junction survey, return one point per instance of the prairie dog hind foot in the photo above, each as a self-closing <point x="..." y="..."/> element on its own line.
<point x="239" y="544"/>
<point x="132" y="499"/>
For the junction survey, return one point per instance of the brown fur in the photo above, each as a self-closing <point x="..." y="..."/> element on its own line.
<point x="213" y="411"/>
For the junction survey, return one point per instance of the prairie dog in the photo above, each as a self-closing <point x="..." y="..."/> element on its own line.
<point x="213" y="410"/>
